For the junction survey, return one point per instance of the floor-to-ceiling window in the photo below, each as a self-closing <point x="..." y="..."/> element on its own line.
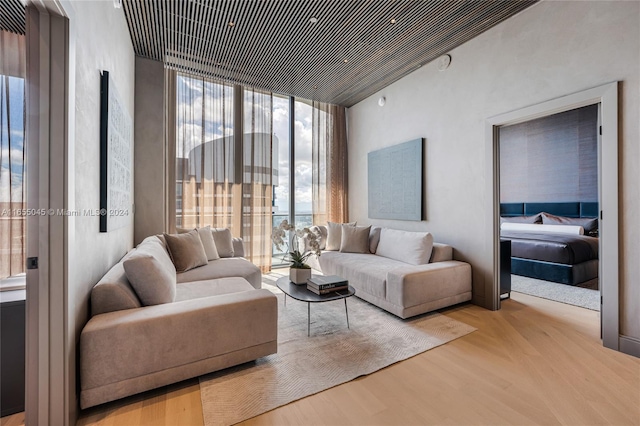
<point x="281" y="169"/>
<point x="303" y="167"/>
<point x="205" y="128"/>
<point x="224" y="163"/>
<point x="12" y="196"/>
<point x="245" y="160"/>
<point x="293" y="123"/>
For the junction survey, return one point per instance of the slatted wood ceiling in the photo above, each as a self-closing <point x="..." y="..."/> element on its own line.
<point x="352" y="51"/>
<point x="12" y="16"/>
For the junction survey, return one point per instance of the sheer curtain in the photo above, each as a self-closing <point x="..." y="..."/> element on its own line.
<point x="12" y="150"/>
<point x="329" y="156"/>
<point x="257" y="189"/>
<point x="223" y="161"/>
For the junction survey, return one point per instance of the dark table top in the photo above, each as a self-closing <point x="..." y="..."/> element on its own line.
<point x="300" y="292"/>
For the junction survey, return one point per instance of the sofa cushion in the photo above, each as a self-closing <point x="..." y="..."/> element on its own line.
<point x="414" y="285"/>
<point x="151" y="273"/>
<point x="224" y="241"/>
<point x="365" y="272"/>
<point x="334" y="234"/>
<point x="206" y="288"/>
<point x="223" y="268"/>
<point x="238" y="247"/>
<point x="355" y="239"/>
<point x="374" y="239"/>
<point x="114" y="292"/>
<point x="207" y="242"/>
<point x="409" y="247"/>
<point x="186" y="250"/>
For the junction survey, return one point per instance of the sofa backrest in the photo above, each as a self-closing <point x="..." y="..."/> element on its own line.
<point x="440" y="253"/>
<point x="114" y="292"/>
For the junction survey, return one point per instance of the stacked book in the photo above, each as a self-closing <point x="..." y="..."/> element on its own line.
<point x="326" y="284"/>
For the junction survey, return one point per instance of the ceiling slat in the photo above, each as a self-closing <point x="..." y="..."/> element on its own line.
<point x="274" y="47"/>
<point x="12" y="16"/>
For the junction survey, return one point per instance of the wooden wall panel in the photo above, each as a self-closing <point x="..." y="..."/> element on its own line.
<point x="551" y="159"/>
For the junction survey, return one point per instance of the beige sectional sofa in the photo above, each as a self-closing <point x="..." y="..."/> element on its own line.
<point x="219" y="317"/>
<point x="404" y="273"/>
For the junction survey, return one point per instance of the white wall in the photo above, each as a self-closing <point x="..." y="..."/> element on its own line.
<point x="102" y="43"/>
<point x="150" y="170"/>
<point x="547" y="51"/>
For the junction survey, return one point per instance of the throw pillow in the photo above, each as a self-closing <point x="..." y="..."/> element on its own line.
<point x="355" y="239"/>
<point x="207" y="242"/>
<point x="334" y="235"/>
<point x="540" y="227"/>
<point x="151" y="274"/>
<point x="409" y="247"/>
<point x="186" y="250"/>
<point x="536" y="218"/>
<point x="374" y="239"/>
<point x="224" y="241"/>
<point x="590" y="224"/>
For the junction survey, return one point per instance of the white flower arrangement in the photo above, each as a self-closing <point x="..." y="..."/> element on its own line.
<point x="295" y="256"/>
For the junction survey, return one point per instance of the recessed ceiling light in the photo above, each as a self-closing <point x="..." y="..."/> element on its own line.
<point x="345" y="61"/>
<point x="393" y="21"/>
<point x="231" y="24"/>
<point x="315" y="87"/>
<point x="313" y="20"/>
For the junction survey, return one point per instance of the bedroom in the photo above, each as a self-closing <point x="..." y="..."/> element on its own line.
<point x="549" y="205"/>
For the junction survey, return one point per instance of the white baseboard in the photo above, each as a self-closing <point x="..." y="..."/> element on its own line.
<point x="630" y="346"/>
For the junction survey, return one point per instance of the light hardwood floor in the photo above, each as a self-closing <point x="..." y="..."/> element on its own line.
<point x="533" y="362"/>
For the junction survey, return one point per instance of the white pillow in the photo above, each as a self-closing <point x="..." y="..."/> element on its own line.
<point x="550" y="229"/>
<point x="207" y="242"/>
<point x="224" y="241"/>
<point x="409" y="247"/>
<point x="334" y="235"/>
<point x="151" y="273"/>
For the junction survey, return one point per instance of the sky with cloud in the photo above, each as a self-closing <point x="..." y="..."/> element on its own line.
<point x="11" y="173"/>
<point x="217" y="122"/>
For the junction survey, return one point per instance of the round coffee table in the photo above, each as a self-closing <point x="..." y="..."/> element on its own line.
<point x="300" y="292"/>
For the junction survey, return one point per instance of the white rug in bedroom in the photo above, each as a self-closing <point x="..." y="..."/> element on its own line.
<point x="571" y="295"/>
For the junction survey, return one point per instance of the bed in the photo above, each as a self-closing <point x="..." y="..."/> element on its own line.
<point x="548" y="252"/>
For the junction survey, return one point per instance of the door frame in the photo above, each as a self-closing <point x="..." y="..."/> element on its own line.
<point x="50" y="134"/>
<point x="607" y="96"/>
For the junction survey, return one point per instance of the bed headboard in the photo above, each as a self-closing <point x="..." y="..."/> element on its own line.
<point x="573" y="209"/>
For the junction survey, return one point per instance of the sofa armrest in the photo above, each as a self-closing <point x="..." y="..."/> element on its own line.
<point x="238" y="247"/>
<point x="135" y="342"/>
<point x="441" y="252"/>
<point x="413" y="285"/>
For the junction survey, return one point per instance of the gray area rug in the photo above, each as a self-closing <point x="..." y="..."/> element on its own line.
<point x="332" y="355"/>
<point x="571" y="295"/>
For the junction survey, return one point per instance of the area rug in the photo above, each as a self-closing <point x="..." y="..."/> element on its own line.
<point x="332" y="355"/>
<point x="571" y="295"/>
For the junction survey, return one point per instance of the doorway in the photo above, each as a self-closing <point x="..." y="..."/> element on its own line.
<point x="549" y="177"/>
<point x="607" y="97"/>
